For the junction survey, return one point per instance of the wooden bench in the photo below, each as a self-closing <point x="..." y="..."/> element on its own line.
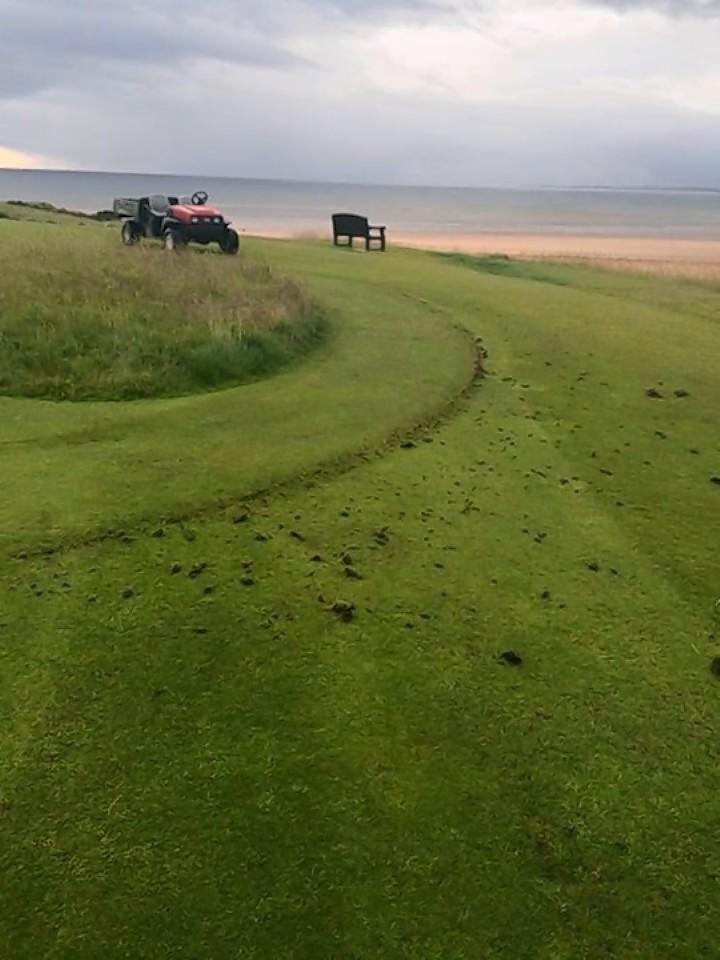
<point x="350" y="225"/>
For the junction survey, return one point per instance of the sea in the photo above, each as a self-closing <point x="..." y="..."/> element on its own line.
<point x="296" y="207"/>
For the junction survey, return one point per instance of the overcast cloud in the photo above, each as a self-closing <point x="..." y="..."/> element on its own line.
<point x="476" y="92"/>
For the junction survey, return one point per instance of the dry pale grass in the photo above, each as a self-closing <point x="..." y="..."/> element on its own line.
<point x="684" y="259"/>
<point x="84" y="317"/>
<point x="703" y="271"/>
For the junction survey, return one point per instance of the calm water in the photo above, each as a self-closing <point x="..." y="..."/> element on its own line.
<point x="273" y="205"/>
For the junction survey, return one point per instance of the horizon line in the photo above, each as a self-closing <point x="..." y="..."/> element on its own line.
<point x="357" y="183"/>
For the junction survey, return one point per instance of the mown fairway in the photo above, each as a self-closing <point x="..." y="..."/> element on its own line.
<point x="201" y="759"/>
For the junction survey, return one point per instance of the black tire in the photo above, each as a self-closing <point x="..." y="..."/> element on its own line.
<point x="173" y="239"/>
<point x="230" y="243"/>
<point x="128" y="233"/>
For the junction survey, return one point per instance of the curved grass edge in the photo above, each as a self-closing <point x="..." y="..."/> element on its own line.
<point x="213" y="365"/>
<point x="326" y="470"/>
<point x="74" y="472"/>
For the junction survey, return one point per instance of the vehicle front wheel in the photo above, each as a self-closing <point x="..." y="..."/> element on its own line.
<point x="230" y="243"/>
<point x="174" y="240"/>
<point x="128" y="233"/>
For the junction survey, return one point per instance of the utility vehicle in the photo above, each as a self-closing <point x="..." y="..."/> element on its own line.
<point x="176" y="221"/>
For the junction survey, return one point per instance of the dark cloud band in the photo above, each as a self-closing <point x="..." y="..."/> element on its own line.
<point x="671" y="8"/>
<point x="63" y="41"/>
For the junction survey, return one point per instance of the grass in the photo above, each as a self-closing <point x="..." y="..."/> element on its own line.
<point x="705" y="272"/>
<point x="200" y="758"/>
<point x="502" y="265"/>
<point x="167" y="325"/>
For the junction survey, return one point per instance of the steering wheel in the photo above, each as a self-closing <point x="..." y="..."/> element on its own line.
<point x="199" y="198"/>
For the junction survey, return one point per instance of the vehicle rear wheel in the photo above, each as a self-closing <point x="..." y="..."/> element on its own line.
<point x="174" y="240"/>
<point x="129" y="234"/>
<point x="230" y="243"/>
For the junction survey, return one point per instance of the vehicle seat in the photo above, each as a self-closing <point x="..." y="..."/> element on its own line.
<point x="159" y="205"/>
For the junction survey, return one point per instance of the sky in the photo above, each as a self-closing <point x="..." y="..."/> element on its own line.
<point x="437" y="92"/>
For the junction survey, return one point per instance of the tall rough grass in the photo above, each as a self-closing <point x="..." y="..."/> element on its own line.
<point x="82" y="317"/>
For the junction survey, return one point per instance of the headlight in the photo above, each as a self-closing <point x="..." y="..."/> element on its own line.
<point x="217" y="219"/>
<point x="195" y="220"/>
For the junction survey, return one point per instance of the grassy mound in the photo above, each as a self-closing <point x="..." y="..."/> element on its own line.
<point x="24" y="211"/>
<point x="501" y="265"/>
<point x="83" y="321"/>
<point x="28" y="209"/>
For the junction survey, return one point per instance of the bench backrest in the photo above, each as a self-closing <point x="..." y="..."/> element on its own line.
<point x="350" y="225"/>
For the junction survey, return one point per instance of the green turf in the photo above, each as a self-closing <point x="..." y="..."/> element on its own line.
<point x="201" y="759"/>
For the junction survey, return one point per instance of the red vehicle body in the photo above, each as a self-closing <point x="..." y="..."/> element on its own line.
<point x="184" y="212"/>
